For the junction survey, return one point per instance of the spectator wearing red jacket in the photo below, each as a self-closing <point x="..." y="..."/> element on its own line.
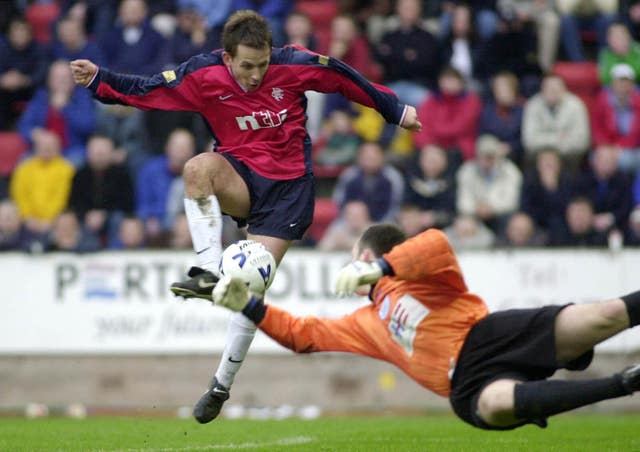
<point x="616" y="117"/>
<point x="450" y="117"/>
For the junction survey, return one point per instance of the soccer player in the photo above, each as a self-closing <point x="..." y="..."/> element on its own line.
<point x="252" y="97"/>
<point x="422" y="318"/>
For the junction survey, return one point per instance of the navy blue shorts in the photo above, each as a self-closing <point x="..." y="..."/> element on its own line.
<point x="518" y="344"/>
<point x="279" y="208"/>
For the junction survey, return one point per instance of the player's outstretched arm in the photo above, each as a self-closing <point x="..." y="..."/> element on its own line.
<point x="172" y="90"/>
<point x="410" y="120"/>
<point x="83" y="71"/>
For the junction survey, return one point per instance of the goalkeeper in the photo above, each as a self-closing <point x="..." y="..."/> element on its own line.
<point x="493" y="367"/>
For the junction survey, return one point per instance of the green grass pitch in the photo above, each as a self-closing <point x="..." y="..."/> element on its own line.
<point x="428" y="433"/>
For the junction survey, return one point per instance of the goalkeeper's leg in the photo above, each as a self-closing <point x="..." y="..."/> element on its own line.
<point x="509" y="403"/>
<point x="577" y="329"/>
<point x="580" y="327"/>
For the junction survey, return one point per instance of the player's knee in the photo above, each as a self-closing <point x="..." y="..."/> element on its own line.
<point x="495" y="404"/>
<point x="493" y="410"/>
<point x="194" y="169"/>
<point x="200" y="168"/>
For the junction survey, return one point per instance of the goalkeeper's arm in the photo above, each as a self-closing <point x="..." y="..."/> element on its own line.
<point x="427" y="254"/>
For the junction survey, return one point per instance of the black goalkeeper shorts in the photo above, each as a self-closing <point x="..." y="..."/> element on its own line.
<point x="518" y="344"/>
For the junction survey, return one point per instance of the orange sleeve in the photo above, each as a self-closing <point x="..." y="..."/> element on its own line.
<point x="427" y="254"/>
<point x="313" y="334"/>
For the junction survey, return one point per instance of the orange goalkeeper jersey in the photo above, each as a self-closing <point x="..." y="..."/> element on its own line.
<point x="418" y="320"/>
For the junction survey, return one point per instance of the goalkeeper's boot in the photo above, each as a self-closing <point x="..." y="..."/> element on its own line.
<point x="210" y="404"/>
<point x="631" y="378"/>
<point x="199" y="285"/>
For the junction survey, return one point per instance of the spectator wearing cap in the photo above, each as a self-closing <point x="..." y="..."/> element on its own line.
<point x="621" y="48"/>
<point x="489" y="185"/>
<point x="616" y="117"/>
<point x="556" y="118"/>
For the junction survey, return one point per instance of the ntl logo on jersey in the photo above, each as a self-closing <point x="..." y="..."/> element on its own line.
<point x="261" y="120"/>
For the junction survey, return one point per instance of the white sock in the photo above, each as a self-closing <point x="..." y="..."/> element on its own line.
<point x="205" y="225"/>
<point x="240" y="333"/>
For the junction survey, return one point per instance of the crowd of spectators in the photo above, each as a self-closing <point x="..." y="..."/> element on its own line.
<point x="508" y="156"/>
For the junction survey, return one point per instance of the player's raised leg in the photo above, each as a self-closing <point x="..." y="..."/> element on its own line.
<point x="210" y="182"/>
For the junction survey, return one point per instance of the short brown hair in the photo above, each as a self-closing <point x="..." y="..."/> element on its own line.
<point x="248" y="28"/>
<point x="380" y="238"/>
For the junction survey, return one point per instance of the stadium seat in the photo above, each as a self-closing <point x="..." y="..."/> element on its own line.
<point x="320" y="12"/>
<point x="41" y="17"/>
<point x="581" y="78"/>
<point x="324" y="213"/>
<point x="323" y="38"/>
<point x="327" y="172"/>
<point x="12" y="147"/>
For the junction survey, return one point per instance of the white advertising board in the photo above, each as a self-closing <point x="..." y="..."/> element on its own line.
<point x="113" y="303"/>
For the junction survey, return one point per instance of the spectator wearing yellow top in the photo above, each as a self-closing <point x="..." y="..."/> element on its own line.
<point x="41" y="184"/>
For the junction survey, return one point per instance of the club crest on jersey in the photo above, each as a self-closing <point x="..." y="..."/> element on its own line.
<point x="277" y="94"/>
<point x="169" y="76"/>
<point x="261" y="120"/>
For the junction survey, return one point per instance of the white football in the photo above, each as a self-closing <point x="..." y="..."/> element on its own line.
<point x="250" y="261"/>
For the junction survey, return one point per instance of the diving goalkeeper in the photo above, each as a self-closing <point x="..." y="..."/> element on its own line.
<point x="494" y="368"/>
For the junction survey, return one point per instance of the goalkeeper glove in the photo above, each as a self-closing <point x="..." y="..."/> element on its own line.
<point x="232" y="293"/>
<point x="359" y="273"/>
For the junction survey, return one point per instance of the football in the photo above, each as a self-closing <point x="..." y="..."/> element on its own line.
<point x="250" y="261"/>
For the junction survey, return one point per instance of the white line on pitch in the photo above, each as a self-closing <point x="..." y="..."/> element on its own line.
<point x="248" y="445"/>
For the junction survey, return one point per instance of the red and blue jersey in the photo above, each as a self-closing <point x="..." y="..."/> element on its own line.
<point x="264" y="128"/>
